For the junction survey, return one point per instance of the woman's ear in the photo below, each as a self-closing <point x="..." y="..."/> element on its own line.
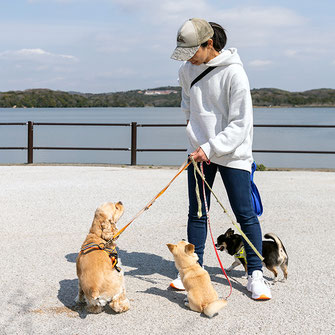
<point x="210" y="44"/>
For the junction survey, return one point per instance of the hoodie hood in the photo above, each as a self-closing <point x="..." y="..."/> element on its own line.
<point x="225" y="58"/>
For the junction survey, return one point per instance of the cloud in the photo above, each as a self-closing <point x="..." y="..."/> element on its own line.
<point x="61" y="1"/>
<point x="125" y="44"/>
<point x="260" y="63"/>
<point x="262" y="16"/>
<point x="291" y="53"/>
<point x="37" y="55"/>
<point x="306" y="52"/>
<point x="247" y="26"/>
<point x="252" y="16"/>
<point x="252" y="26"/>
<point x="170" y="12"/>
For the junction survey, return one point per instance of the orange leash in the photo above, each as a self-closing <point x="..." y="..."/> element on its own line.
<point x="181" y="169"/>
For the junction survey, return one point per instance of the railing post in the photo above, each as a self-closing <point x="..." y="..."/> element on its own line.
<point x="30" y="142"/>
<point x="133" y="142"/>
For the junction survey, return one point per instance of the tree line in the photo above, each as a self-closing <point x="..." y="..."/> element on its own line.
<point x="45" y="98"/>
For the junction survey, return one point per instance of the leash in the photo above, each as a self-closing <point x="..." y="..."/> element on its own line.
<point x="224" y="209"/>
<point x="180" y="170"/>
<point x="210" y="229"/>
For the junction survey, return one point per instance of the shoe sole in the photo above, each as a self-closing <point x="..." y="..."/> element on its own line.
<point x="262" y="297"/>
<point x="177" y="288"/>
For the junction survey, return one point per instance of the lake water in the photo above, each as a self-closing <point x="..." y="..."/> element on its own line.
<point x="161" y="137"/>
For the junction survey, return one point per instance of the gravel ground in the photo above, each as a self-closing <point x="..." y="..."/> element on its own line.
<point x="46" y="212"/>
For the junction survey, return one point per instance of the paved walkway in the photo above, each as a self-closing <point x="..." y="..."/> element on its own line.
<point x="46" y="211"/>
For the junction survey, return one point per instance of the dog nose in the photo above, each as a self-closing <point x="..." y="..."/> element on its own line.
<point x="120" y="203"/>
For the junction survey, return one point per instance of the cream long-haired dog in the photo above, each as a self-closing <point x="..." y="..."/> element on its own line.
<point x="201" y="294"/>
<point x="101" y="281"/>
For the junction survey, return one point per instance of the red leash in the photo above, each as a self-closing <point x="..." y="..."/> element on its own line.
<point x="210" y="229"/>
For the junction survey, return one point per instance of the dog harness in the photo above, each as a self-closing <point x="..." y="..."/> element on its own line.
<point x="111" y="252"/>
<point x="241" y="254"/>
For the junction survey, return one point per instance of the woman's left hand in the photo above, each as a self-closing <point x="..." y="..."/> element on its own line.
<point x="199" y="155"/>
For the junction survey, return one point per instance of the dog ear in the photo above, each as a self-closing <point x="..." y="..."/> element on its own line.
<point x="230" y="232"/>
<point x="108" y="230"/>
<point x="189" y="248"/>
<point x="96" y="228"/>
<point x="171" y="246"/>
<point x="119" y="209"/>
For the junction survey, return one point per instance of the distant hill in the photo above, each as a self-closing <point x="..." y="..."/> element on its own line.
<point x="168" y="96"/>
<point x="323" y="97"/>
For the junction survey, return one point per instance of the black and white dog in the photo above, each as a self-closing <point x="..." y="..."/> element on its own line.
<point x="274" y="252"/>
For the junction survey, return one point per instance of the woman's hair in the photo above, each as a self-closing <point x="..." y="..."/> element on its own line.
<point x="219" y="38"/>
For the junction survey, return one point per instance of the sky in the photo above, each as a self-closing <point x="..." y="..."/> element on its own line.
<point x="98" y="46"/>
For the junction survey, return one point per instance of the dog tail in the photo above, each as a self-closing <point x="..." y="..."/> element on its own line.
<point x="279" y="243"/>
<point x="214" y="307"/>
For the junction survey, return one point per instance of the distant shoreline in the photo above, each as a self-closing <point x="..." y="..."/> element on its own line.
<point x="302" y="106"/>
<point x="254" y="106"/>
<point x="158" y="97"/>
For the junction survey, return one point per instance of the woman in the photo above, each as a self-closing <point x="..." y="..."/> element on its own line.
<point x="219" y="116"/>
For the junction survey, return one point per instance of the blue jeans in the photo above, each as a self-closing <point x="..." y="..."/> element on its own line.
<point x="237" y="184"/>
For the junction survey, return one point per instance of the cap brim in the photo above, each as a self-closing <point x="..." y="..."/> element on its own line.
<point x="184" y="54"/>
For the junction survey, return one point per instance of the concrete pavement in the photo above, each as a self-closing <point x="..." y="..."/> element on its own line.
<point x="45" y="214"/>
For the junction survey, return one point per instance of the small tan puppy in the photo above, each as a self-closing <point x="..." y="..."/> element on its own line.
<point x="201" y="294"/>
<point x="101" y="281"/>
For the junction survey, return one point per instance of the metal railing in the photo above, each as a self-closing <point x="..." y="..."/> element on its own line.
<point x="133" y="148"/>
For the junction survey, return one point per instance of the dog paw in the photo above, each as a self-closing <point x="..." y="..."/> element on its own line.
<point x="120" y="306"/>
<point x="125" y="305"/>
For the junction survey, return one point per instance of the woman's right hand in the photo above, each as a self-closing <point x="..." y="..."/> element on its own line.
<point x="199" y="155"/>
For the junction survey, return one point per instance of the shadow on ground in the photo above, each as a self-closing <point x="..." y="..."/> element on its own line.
<point x="68" y="289"/>
<point x="143" y="266"/>
<point x="146" y="264"/>
<point x="169" y="294"/>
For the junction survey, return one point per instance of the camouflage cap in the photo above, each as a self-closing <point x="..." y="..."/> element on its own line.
<point x="190" y="36"/>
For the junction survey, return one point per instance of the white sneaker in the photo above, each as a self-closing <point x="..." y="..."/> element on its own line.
<point x="258" y="286"/>
<point x="178" y="284"/>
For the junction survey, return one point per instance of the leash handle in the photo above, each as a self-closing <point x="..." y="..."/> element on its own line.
<point x="210" y="230"/>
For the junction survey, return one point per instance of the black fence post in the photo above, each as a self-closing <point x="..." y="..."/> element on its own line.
<point x="30" y="141"/>
<point x="133" y="142"/>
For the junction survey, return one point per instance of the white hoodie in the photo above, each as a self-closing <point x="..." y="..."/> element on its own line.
<point x="219" y="110"/>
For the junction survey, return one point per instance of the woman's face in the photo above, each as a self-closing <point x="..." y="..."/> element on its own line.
<point x="204" y="54"/>
<point x="200" y="56"/>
